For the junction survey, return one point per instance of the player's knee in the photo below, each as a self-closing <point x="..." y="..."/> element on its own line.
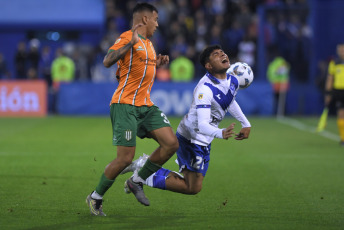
<point x="174" y="145"/>
<point x="125" y="161"/>
<point x="194" y="190"/>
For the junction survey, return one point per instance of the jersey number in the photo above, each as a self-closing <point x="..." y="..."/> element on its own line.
<point x="199" y="164"/>
<point x="165" y="118"/>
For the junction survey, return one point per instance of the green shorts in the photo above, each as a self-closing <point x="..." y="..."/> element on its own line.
<point x="129" y="121"/>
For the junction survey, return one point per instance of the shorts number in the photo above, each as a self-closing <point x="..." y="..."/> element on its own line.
<point x="199" y="164"/>
<point x="165" y="118"/>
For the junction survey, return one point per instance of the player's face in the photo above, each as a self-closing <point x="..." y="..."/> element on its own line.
<point x="152" y="23"/>
<point x="340" y="51"/>
<point x="219" y="61"/>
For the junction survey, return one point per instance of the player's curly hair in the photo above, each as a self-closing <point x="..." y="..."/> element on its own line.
<point x="204" y="56"/>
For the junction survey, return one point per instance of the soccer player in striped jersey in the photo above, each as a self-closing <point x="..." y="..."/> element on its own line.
<point x="131" y="110"/>
<point x="213" y="97"/>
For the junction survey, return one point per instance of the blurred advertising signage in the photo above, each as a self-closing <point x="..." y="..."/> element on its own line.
<point x="23" y="98"/>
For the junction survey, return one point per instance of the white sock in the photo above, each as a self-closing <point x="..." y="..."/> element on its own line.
<point x="137" y="178"/>
<point x="96" y="196"/>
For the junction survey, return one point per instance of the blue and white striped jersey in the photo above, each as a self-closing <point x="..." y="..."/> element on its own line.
<point x="212" y="98"/>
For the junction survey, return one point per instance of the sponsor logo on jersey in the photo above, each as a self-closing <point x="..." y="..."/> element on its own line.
<point x="140" y="48"/>
<point x="200" y="96"/>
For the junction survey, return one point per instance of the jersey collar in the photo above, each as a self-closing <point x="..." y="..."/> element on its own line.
<point x="214" y="79"/>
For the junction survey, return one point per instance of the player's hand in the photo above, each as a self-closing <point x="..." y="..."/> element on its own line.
<point x="162" y="60"/>
<point x="228" y="132"/>
<point x="135" y="37"/>
<point x="243" y="134"/>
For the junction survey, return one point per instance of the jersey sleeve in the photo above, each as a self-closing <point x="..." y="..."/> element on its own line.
<point x="203" y="96"/>
<point x="236" y="112"/>
<point x="119" y="43"/>
<point x="331" y="68"/>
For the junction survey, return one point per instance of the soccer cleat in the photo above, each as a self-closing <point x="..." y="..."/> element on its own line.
<point x="95" y="206"/>
<point x="137" y="189"/>
<point x="137" y="164"/>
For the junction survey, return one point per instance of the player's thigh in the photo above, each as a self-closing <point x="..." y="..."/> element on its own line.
<point x="124" y="125"/>
<point x="164" y="136"/>
<point x="192" y="157"/>
<point x="156" y="125"/>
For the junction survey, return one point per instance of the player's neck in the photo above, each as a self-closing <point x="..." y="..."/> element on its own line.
<point x="219" y="75"/>
<point x="141" y="31"/>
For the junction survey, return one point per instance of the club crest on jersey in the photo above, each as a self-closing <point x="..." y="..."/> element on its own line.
<point x="118" y="40"/>
<point x="128" y="134"/>
<point x="200" y="96"/>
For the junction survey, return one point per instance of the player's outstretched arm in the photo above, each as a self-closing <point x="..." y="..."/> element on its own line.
<point x="228" y="132"/>
<point x="112" y="57"/>
<point x="243" y="134"/>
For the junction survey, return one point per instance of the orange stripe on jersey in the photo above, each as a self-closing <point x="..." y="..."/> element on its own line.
<point x="136" y="71"/>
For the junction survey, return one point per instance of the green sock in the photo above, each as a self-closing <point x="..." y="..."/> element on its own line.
<point x="148" y="169"/>
<point x="104" y="185"/>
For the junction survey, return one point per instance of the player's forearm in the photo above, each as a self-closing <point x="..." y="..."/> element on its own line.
<point x="236" y="112"/>
<point x="204" y="127"/>
<point x="113" y="56"/>
<point x="329" y="83"/>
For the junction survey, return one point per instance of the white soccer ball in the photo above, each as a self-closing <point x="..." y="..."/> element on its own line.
<point x="243" y="73"/>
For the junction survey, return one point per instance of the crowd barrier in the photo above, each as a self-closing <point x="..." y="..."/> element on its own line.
<point x="23" y="98"/>
<point x="172" y="98"/>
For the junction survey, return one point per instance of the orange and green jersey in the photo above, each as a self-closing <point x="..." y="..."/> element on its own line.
<point x="336" y="69"/>
<point x="136" y="71"/>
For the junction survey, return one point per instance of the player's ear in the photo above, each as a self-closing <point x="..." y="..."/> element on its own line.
<point x="144" y="19"/>
<point x="208" y="66"/>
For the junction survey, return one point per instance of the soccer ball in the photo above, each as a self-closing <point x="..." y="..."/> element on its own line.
<point x="243" y="73"/>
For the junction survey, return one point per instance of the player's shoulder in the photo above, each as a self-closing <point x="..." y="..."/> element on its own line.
<point x="203" y="87"/>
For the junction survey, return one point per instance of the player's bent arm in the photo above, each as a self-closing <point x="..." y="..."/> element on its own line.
<point x="113" y="56"/>
<point x="235" y="110"/>
<point x="328" y="89"/>
<point x="203" y="117"/>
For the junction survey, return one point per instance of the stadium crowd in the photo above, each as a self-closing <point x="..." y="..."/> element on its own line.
<point x="185" y="28"/>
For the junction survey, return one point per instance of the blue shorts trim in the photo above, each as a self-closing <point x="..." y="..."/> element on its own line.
<point x="192" y="156"/>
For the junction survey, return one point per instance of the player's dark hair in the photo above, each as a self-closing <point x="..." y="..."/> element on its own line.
<point x="204" y="56"/>
<point x="144" y="7"/>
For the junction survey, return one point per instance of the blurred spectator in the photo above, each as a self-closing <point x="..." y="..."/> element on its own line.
<point x="163" y="73"/>
<point x="247" y="49"/>
<point x="182" y="69"/>
<point x="45" y="64"/>
<point x="21" y="61"/>
<point x="278" y="75"/>
<point x="62" y="70"/>
<point x="33" y="56"/>
<point x="4" y="73"/>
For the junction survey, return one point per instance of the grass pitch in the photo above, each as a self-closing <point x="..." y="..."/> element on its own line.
<point x="280" y="178"/>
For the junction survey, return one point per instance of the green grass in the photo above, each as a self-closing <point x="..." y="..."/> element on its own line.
<point x="280" y="178"/>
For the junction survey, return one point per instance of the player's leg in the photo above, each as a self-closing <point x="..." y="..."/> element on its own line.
<point x="338" y="96"/>
<point x="124" y="133"/>
<point x="154" y="125"/>
<point x="190" y="184"/>
<point x="193" y="161"/>
<point x="340" y="124"/>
